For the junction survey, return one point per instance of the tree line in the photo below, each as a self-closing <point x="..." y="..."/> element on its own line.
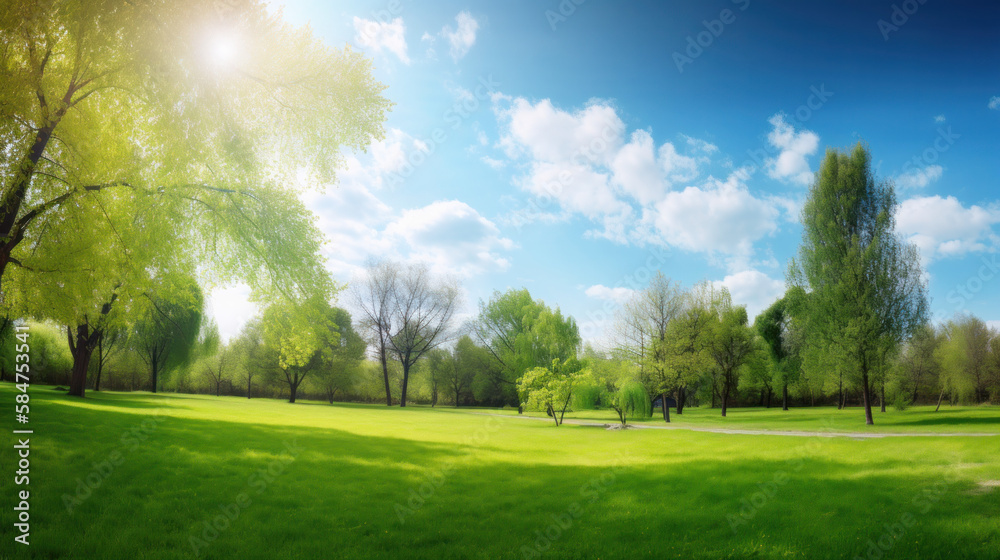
<point x="141" y="172"/>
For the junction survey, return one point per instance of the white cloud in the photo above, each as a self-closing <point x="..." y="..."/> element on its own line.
<point x="452" y="237"/>
<point x="943" y="227"/>
<point x="584" y="161"/>
<point x="994" y="102"/>
<point x="463" y="36"/>
<point x="939" y="119"/>
<point x="791" y="163"/>
<point x="701" y="145"/>
<point x="995" y="325"/>
<point x="379" y="36"/>
<point x="920" y="177"/>
<point x="717" y="217"/>
<point x="754" y="289"/>
<point x="493" y="163"/>
<point x="619" y="295"/>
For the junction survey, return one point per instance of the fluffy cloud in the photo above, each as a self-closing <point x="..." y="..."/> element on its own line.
<point x="791" y="163"/>
<point x="717" y="217"/>
<point x="920" y="177"/>
<point x="994" y="102"/>
<point x="379" y="36"/>
<point x="943" y="227"/>
<point x="754" y="289"/>
<point x="452" y="237"/>
<point x="463" y="36"/>
<point x="619" y="295"/>
<point x="628" y="185"/>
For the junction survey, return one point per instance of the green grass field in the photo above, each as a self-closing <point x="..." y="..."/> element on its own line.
<point x="147" y="475"/>
<point x="920" y="419"/>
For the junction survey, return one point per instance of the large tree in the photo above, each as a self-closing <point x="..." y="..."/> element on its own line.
<point x="373" y="295"/>
<point x="141" y="135"/>
<point x="866" y="292"/>
<point x="778" y="331"/>
<point x="521" y="333"/>
<point x="177" y="98"/>
<point x="733" y="346"/>
<point x="643" y="335"/>
<point x="303" y="334"/>
<point x="422" y="310"/>
<point x="470" y="359"/>
<point x="167" y="329"/>
<point x="347" y="353"/>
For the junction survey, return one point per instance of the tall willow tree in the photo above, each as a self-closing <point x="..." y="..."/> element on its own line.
<point x="201" y="120"/>
<point x="866" y="294"/>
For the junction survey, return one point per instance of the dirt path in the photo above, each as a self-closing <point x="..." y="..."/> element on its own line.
<point x="792" y="433"/>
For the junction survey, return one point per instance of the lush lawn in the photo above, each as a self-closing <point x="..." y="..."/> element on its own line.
<point x="920" y="419"/>
<point x="344" y="476"/>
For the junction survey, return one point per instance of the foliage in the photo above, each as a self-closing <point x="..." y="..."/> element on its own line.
<point x="165" y="334"/>
<point x="865" y="289"/>
<point x="302" y="334"/>
<point x="551" y="389"/>
<point x="119" y="100"/>
<point x="354" y="448"/>
<point x="521" y="333"/>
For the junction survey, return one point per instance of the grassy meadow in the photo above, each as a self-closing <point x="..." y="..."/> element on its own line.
<point x="143" y="476"/>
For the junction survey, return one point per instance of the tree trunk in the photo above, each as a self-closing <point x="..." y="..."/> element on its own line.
<point x="406" y="379"/>
<point x="10" y="207"/>
<point x="681" y="396"/>
<point x="385" y="375"/>
<point x="248" y="386"/>
<point x="100" y="362"/>
<point x="784" y="396"/>
<point x="81" y="361"/>
<point x="882" y="396"/>
<point x="666" y="409"/>
<point x="840" y="395"/>
<point x="82" y="348"/>
<point x="865" y="391"/>
<point x="293" y="388"/>
<point x="940" y="397"/>
<point x="725" y="400"/>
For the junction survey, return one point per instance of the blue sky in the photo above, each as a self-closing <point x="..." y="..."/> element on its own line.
<point x="574" y="147"/>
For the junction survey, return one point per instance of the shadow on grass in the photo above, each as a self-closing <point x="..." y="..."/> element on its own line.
<point x="340" y="494"/>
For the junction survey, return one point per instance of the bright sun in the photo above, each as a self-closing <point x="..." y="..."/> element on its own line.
<point x="223" y="49"/>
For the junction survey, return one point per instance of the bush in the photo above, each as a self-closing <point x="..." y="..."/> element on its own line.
<point x="901" y="401"/>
